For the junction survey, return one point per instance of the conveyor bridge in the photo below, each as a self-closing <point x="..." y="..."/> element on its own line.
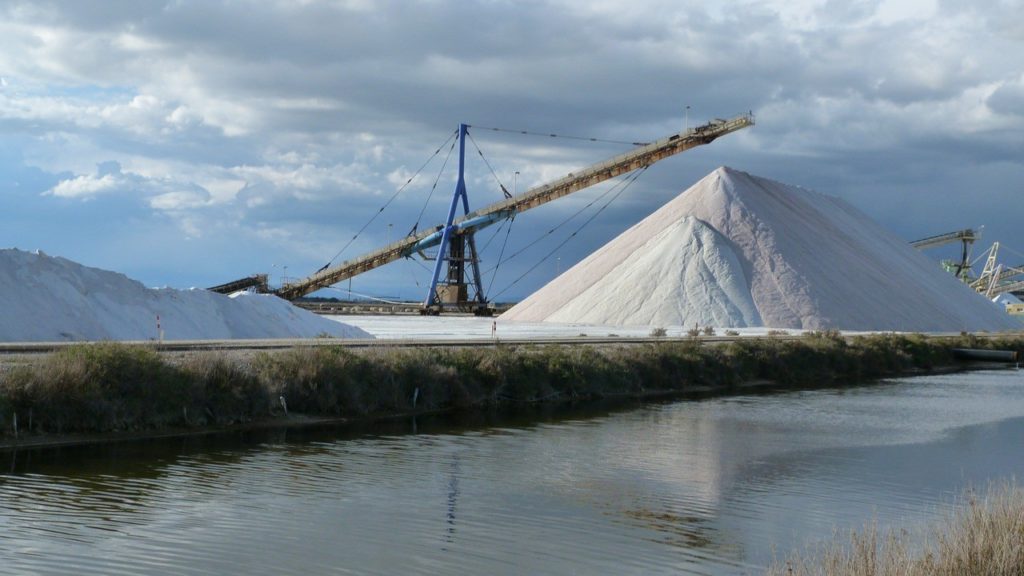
<point x="457" y="234"/>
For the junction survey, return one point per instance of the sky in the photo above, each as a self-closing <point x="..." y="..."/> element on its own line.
<point x="188" y="143"/>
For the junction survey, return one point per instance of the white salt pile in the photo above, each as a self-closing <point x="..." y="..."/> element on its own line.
<point x="46" y="299"/>
<point x="738" y="251"/>
<point x="1006" y="299"/>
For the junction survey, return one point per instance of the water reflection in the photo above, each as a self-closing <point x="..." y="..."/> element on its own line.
<point x="704" y="487"/>
<point x="453" y="496"/>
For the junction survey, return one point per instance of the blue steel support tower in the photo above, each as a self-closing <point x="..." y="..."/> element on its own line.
<point x="452" y="250"/>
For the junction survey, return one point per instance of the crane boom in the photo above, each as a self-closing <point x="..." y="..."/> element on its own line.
<point x="966" y="238"/>
<point x="639" y="157"/>
<point x="967" y="235"/>
<point x="1008" y="287"/>
<point x="1008" y="272"/>
<point x="611" y="168"/>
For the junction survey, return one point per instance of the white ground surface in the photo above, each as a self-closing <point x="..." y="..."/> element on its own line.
<point x="47" y="299"/>
<point x="473" y="328"/>
<point x="735" y="250"/>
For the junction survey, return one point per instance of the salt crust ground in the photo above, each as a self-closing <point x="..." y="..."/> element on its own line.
<point x="427" y="328"/>
<point x="48" y="299"/>
<point x="736" y="250"/>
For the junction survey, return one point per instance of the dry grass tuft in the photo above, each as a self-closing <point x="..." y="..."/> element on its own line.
<point x="982" y="536"/>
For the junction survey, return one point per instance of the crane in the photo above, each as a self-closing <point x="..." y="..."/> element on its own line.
<point x="1014" y="287"/>
<point x="1008" y="272"/>
<point x="456" y="235"/>
<point x="966" y="237"/>
<point x="986" y="281"/>
<point x="257" y="282"/>
<point x="997" y="279"/>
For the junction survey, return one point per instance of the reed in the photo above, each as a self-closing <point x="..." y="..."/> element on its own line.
<point x="982" y="536"/>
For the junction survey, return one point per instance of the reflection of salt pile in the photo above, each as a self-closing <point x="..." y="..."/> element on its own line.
<point x="738" y="251"/>
<point x="55" y="299"/>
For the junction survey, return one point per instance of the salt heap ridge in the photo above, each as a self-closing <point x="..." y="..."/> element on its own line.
<point x="48" y="299"/>
<point x="737" y="251"/>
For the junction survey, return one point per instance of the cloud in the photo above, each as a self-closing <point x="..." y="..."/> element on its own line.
<point x="292" y="123"/>
<point x="165" y="195"/>
<point x="1008" y="98"/>
<point x="177" y="201"/>
<point x="85" y="186"/>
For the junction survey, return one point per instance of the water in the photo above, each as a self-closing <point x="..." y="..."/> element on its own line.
<point x="699" y="486"/>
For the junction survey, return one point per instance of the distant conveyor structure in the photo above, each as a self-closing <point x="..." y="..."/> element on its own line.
<point x="459" y="233"/>
<point x="966" y="237"/>
<point x="994" y="279"/>
<point x="257" y="282"/>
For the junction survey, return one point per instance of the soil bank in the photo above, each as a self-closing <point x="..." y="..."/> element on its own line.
<point x="112" y="392"/>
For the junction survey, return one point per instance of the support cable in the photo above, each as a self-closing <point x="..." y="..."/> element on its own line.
<point x="628" y="182"/>
<point x="493" y="235"/>
<point x="566" y="220"/>
<point x="421" y="265"/>
<point x="978" y="259"/>
<point x="388" y="203"/>
<point x="505" y="191"/>
<point x="433" y="188"/>
<point x="412" y="273"/>
<point x="489" y="167"/>
<point x="528" y="133"/>
<point x="501" y="254"/>
<point x="1007" y="248"/>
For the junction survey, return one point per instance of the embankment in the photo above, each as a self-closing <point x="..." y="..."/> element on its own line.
<point x="115" y="390"/>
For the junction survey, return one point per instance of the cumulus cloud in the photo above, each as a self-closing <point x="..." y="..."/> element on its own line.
<point x="85" y="186"/>
<point x="161" y="194"/>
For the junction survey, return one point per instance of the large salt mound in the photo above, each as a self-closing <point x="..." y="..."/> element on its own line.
<point x="735" y="250"/>
<point x="44" y="299"/>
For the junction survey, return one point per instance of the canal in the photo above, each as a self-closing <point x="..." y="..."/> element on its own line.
<point x="699" y="486"/>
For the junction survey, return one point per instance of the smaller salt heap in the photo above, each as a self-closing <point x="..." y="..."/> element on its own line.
<point x="46" y="299"/>
<point x="736" y="251"/>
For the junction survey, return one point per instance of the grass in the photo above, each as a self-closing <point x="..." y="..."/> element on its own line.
<point x="983" y="536"/>
<point x="107" y="387"/>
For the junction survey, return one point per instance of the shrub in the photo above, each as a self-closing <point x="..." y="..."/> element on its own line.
<point x="93" y="387"/>
<point x="320" y="380"/>
<point x="109" y="387"/>
<point x="217" y="390"/>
